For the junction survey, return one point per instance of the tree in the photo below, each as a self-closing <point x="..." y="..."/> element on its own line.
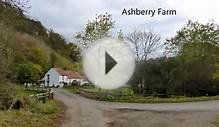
<point x="68" y="50"/>
<point x="28" y="73"/>
<point x="75" y="54"/>
<point x="196" y="47"/>
<point x="144" y="43"/>
<point x="192" y="71"/>
<point x="95" y="29"/>
<point x="175" y="76"/>
<point x="56" y="41"/>
<point x="121" y="36"/>
<point x="196" y="41"/>
<point x="38" y="56"/>
<point x="196" y="35"/>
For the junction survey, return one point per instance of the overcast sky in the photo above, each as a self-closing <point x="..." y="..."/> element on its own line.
<point x="69" y="16"/>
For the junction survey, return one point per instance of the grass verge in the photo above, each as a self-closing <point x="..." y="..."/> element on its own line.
<point x="72" y="89"/>
<point x="42" y="115"/>
<point x="33" y="113"/>
<point x="216" y="123"/>
<point x="150" y="99"/>
<point x="125" y="94"/>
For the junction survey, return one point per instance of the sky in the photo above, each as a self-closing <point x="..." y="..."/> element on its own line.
<point x="70" y="16"/>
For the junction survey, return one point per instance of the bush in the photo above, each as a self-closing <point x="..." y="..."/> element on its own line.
<point x="176" y="76"/>
<point x="27" y="73"/>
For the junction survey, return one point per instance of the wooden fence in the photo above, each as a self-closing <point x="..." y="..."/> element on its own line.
<point x="42" y="94"/>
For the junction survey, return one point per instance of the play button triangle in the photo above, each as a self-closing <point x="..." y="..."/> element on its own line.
<point x="109" y="63"/>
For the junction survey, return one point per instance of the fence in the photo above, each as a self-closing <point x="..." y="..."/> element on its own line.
<point x="42" y="94"/>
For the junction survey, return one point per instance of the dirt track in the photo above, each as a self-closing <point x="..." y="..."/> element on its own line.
<point x="83" y="112"/>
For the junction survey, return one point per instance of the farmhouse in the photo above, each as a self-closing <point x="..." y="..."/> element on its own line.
<point x="57" y="77"/>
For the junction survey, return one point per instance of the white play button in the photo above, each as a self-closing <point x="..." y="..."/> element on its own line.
<point x="108" y="63"/>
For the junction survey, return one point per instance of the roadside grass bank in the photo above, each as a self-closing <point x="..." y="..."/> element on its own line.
<point x="32" y="112"/>
<point x="72" y="89"/>
<point x="216" y="123"/>
<point x="126" y="95"/>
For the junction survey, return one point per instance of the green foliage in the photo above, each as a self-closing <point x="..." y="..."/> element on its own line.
<point x="25" y="54"/>
<point x="216" y="74"/>
<point x="58" y="43"/>
<point x="96" y="29"/>
<point x="38" y="56"/>
<point x="194" y="32"/>
<point x="28" y="73"/>
<point x="191" y="72"/>
<point x="33" y="113"/>
<point x="176" y="76"/>
<point x="74" y="52"/>
<point x="25" y="41"/>
<point x="15" y="18"/>
<point x="59" y="61"/>
<point x="125" y="94"/>
<point x="122" y="91"/>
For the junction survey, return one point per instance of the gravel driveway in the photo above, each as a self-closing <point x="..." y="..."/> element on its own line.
<point x="83" y="112"/>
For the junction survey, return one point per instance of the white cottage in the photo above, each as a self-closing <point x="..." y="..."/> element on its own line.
<point x="57" y="77"/>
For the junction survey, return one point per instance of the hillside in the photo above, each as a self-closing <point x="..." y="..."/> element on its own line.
<point x="28" y="49"/>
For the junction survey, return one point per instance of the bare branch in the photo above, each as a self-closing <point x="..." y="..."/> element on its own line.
<point x="144" y="43"/>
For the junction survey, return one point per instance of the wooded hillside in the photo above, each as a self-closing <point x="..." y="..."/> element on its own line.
<point x="28" y="49"/>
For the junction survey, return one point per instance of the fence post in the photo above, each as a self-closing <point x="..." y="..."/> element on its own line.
<point x="44" y="99"/>
<point x="52" y="95"/>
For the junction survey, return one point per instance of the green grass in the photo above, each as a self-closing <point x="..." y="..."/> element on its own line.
<point x="44" y="116"/>
<point x="125" y="94"/>
<point x="216" y="123"/>
<point x="72" y="89"/>
<point x="141" y="99"/>
<point x="33" y="113"/>
<point x="120" y="91"/>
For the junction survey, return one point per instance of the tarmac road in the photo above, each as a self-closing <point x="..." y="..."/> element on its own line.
<point x="83" y="112"/>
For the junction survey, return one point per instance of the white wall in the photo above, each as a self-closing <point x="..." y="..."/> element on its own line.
<point x="63" y="78"/>
<point x="54" y="78"/>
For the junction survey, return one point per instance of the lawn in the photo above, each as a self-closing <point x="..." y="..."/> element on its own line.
<point x="33" y="113"/>
<point x="125" y="94"/>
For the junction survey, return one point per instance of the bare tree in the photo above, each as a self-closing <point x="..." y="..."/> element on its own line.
<point x="144" y="43"/>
